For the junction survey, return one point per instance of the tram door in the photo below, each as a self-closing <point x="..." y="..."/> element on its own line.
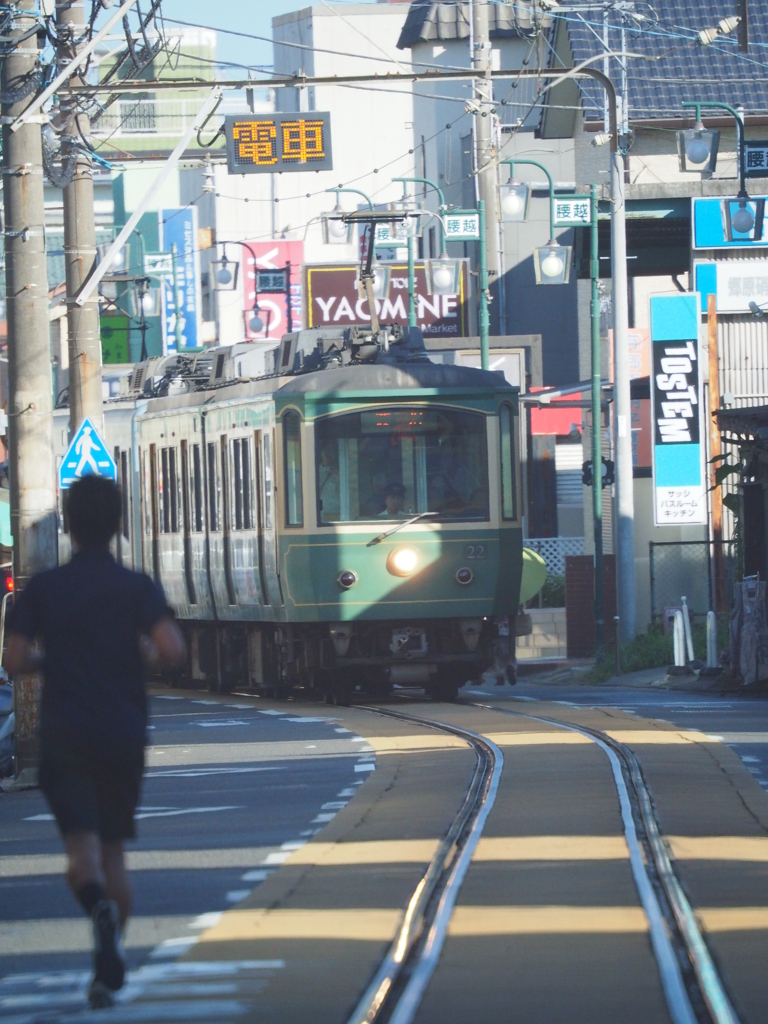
<point x="270" y="584"/>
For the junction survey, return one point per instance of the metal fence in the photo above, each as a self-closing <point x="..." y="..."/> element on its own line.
<point x="690" y="568"/>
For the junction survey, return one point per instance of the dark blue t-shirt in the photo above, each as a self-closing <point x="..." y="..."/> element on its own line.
<point x="89" y="615"/>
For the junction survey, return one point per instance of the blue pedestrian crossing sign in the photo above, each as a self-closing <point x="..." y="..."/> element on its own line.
<point x="86" y="454"/>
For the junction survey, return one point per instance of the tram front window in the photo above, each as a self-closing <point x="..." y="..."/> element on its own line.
<point x="395" y="462"/>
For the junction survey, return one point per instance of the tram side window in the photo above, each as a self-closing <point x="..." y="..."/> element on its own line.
<point x="196" y="481"/>
<point x="214" y="489"/>
<point x="124" y="495"/>
<point x="267" y="447"/>
<point x="506" y="421"/>
<point x="242" y="506"/>
<point x="294" y="498"/>
<point x="169" y="491"/>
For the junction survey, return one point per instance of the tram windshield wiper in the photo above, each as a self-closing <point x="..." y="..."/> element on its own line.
<point x="405" y="522"/>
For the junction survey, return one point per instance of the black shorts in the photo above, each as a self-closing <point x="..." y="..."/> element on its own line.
<point x="90" y="790"/>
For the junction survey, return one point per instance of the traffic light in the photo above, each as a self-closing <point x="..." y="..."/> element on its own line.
<point x="608" y="473"/>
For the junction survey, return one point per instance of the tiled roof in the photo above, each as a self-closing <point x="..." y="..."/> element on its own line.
<point x="429" y="20"/>
<point x="683" y="68"/>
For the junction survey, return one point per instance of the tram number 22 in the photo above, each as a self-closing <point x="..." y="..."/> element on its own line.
<point x="475" y="551"/>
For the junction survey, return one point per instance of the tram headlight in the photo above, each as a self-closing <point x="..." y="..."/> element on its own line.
<point x="402" y="561"/>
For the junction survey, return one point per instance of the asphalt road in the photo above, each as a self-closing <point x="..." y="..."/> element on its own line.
<point x="740" y="720"/>
<point x="229" y="792"/>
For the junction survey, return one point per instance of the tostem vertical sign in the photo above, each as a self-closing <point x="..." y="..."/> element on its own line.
<point x="679" y="483"/>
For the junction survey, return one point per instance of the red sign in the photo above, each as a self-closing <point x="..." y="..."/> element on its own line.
<point x="332" y="298"/>
<point x="273" y="311"/>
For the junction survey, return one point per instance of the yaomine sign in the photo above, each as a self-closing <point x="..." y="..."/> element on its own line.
<point x="332" y="298"/>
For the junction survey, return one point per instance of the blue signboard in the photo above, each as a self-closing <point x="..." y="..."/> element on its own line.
<point x="87" y="454"/>
<point x="178" y="227"/>
<point x="679" y="485"/>
<point x="713" y="224"/>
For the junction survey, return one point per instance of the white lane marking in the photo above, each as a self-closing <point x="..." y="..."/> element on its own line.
<point x="307" y="719"/>
<point x="225" y="723"/>
<point x="334" y="805"/>
<point x="162" y="696"/>
<point x="187" y="810"/>
<point x="293" y="844"/>
<point x="189" y="773"/>
<point x="322" y="818"/>
<point x="236" y="895"/>
<point x="241" y="707"/>
<point x="358" y="739"/>
<point x="310" y="746"/>
<point x="746" y="757"/>
<point x="206" y="702"/>
<point x="339" y="729"/>
<point x="346" y="792"/>
<point x="276" y="858"/>
<point x="151" y="727"/>
<point x="173" y="948"/>
<point x="267" y="711"/>
<point x="40" y="817"/>
<point x="256" y="876"/>
<point x="209" y="920"/>
<point x="367" y="767"/>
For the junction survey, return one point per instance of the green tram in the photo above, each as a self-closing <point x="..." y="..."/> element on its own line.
<point x="350" y="521"/>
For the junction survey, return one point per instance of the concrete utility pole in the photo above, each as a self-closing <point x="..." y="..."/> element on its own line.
<point x="30" y="405"/>
<point x="485" y="149"/>
<point x="625" y="493"/>
<point x="84" y="337"/>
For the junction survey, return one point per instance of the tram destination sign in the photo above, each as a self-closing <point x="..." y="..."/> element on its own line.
<point x="278" y="142"/>
<point x="678" y="458"/>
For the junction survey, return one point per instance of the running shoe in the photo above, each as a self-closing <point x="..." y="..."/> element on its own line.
<point x="108" y="962"/>
<point x="99" y="996"/>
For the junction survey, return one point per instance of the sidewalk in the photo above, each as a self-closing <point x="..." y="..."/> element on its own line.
<point x="575" y="672"/>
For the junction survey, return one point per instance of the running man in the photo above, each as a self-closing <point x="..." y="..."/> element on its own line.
<point x="89" y="617"/>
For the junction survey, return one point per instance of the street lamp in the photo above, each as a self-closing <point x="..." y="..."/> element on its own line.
<point x="742" y="220"/>
<point x="380" y="279"/>
<point x="698" y="147"/>
<point x="443" y="276"/>
<point x="226" y="277"/>
<point x="335" y="231"/>
<point x="552" y="263"/>
<point x="513" y="201"/>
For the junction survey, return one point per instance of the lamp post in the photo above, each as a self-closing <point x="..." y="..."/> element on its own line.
<point x="411" y="267"/>
<point x="743" y="220"/>
<point x="518" y="212"/>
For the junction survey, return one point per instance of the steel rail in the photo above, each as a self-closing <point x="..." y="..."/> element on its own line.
<point x="708" y="983"/>
<point x="445" y="872"/>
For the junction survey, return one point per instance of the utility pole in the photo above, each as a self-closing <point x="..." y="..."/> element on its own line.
<point x="625" y="495"/>
<point x="30" y="404"/>
<point x="485" y="150"/>
<point x="84" y="337"/>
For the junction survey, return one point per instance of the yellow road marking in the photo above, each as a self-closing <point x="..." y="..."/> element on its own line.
<point x="546" y="920"/>
<point x="565" y="848"/>
<point x="385" y="851"/>
<point x="360" y="925"/>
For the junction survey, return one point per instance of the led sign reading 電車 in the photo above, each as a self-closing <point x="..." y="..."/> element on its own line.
<point x="278" y="142"/>
<point x="401" y="421"/>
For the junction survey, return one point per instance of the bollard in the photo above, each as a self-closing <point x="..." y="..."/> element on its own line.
<point x="711" y="640"/>
<point x="617" y="642"/>
<point x="712" y="667"/>
<point x="678" y="640"/>
<point x="687" y="625"/>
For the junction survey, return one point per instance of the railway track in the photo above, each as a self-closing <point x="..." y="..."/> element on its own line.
<point x="694" y="991"/>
